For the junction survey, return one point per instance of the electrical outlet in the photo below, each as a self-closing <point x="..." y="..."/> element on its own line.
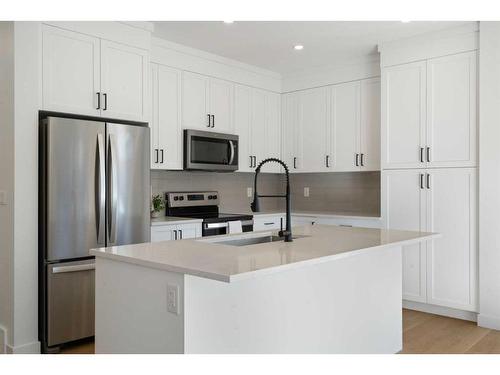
<point x="173" y="298"/>
<point x="306" y="192"/>
<point x="249" y="192"/>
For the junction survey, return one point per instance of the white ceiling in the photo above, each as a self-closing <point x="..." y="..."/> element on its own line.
<point x="270" y="44"/>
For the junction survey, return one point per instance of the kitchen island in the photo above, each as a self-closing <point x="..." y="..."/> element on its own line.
<point x="332" y="290"/>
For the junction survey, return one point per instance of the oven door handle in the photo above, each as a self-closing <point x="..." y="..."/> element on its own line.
<point x="231" y="149"/>
<point x="216" y="225"/>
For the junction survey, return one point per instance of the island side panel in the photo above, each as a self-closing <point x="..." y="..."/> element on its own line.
<point x="349" y="305"/>
<point x="131" y="309"/>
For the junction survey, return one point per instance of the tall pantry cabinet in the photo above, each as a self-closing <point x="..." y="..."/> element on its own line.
<point x="429" y="174"/>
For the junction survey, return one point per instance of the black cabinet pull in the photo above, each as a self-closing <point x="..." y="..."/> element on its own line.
<point x="251" y="161"/>
<point x="357" y="160"/>
<point x="175" y="235"/>
<point x="428" y="152"/>
<point x="362" y="160"/>
<point x="180" y="232"/>
<point x="428" y="181"/>
<point x="295" y="163"/>
<point x="105" y="101"/>
<point x="98" y="100"/>
<point x="209" y="122"/>
<point x="156" y="156"/>
<point x="421" y="154"/>
<point x="421" y="180"/>
<point x="327" y="161"/>
<point x="213" y="121"/>
<point x="162" y="156"/>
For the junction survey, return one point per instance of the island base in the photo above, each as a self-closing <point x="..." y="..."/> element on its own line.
<point x="347" y="305"/>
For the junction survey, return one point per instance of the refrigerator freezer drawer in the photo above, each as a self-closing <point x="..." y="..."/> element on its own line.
<point x="71" y="299"/>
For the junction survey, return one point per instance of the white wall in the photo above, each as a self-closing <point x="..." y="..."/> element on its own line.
<point x="27" y="59"/>
<point x="6" y="179"/>
<point x="489" y="175"/>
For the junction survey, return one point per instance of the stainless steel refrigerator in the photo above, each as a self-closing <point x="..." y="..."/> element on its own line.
<point x="94" y="192"/>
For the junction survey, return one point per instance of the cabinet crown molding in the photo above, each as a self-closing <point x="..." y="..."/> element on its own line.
<point x="430" y="45"/>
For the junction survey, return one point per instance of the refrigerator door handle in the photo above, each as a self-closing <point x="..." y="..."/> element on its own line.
<point x="113" y="190"/>
<point x="100" y="190"/>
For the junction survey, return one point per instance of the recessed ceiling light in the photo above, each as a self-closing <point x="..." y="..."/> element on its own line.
<point x="228" y="21"/>
<point x="298" y="47"/>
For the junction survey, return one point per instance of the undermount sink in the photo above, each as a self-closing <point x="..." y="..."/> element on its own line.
<point x="253" y="240"/>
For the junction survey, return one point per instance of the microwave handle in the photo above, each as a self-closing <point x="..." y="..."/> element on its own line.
<point x="231" y="148"/>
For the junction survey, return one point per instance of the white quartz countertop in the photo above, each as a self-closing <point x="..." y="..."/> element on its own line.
<point x="204" y="258"/>
<point x="170" y="220"/>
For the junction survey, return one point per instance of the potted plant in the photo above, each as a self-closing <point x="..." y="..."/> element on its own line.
<point x="157" y="205"/>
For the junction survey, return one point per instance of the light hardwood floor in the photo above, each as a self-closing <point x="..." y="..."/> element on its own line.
<point x="422" y="334"/>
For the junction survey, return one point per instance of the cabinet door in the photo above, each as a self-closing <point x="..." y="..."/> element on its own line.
<point x="195" y="113"/>
<point x="258" y="126"/>
<point x="451" y="110"/>
<point x="370" y="125"/>
<point x="290" y="136"/>
<point x="403" y="207"/>
<point x="124" y="72"/>
<point x="273" y="131"/>
<point x="403" y="115"/>
<point x="344" y="127"/>
<point x="169" y="122"/>
<point x="70" y="71"/>
<point x="153" y="123"/>
<point x="162" y="233"/>
<point x="452" y="259"/>
<point x="188" y="231"/>
<point x="242" y="124"/>
<point x="221" y="105"/>
<point x="313" y="124"/>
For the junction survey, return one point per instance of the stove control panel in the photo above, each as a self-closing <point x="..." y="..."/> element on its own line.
<point x="192" y="198"/>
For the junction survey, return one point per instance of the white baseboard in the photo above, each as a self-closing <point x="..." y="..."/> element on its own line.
<point x="488" y="321"/>
<point x="3" y="340"/>
<point x="30" y="348"/>
<point x="440" y="310"/>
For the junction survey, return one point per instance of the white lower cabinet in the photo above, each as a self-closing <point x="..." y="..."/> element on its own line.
<point x="443" y="271"/>
<point x="171" y="232"/>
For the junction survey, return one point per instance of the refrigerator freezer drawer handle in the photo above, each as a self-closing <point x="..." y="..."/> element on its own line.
<point x="113" y="190"/>
<point x="76" y="268"/>
<point x="100" y="190"/>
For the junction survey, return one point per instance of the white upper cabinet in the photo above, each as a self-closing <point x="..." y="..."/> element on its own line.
<point x="221" y="105"/>
<point x="403" y="115"/>
<point x="71" y="71"/>
<point x="90" y="76"/>
<point x="370" y="125"/>
<point x="257" y="123"/>
<point x="195" y="112"/>
<point x="451" y="110"/>
<point x="166" y="142"/>
<point x="313" y="122"/>
<point x="452" y="258"/>
<point x="207" y="103"/>
<point x="345" y="127"/>
<point x="124" y="77"/>
<point x="429" y="113"/>
<point x="290" y="130"/>
<point x="242" y="127"/>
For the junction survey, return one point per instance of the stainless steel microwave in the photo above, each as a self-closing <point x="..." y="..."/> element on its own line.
<point x="208" y="151"/>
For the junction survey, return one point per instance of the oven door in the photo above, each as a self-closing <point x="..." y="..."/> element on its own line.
<point x="215" y="229"/>
<point x="210" y="151"/>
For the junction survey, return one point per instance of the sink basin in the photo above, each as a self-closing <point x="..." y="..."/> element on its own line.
<point x="253" y="240"/>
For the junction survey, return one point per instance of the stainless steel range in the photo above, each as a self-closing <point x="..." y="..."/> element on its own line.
<point x="205" y="205"/>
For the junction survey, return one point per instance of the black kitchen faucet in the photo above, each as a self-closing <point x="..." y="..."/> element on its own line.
<point x="287" y="233"/>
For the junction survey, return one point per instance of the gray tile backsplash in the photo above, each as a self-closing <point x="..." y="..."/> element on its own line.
<point x="353" y="192"/>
